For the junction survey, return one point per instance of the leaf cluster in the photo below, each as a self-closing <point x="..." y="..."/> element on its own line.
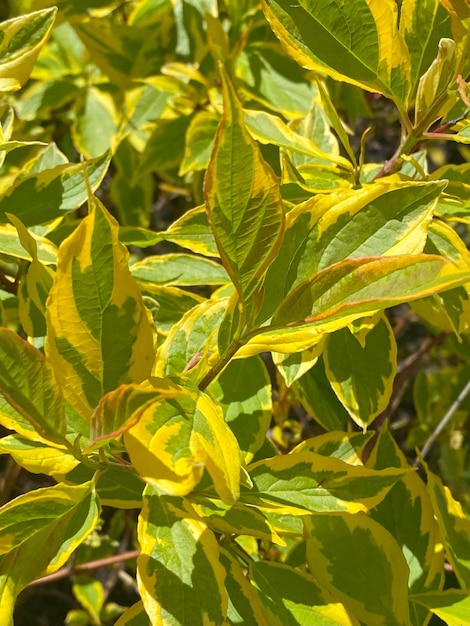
<point x="225" y="329"/>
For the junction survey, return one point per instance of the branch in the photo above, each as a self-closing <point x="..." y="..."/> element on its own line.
<point x="443" y="423"/>
<point x="67" y="571"/>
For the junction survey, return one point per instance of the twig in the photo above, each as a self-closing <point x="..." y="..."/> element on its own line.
<point x="443" y="423"/>
<point x="64" y="572"/>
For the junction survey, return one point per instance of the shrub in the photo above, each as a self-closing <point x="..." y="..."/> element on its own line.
<point x="223" y="342"/>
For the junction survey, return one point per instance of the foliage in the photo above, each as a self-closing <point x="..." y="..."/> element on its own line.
<point x="220" y="342"/>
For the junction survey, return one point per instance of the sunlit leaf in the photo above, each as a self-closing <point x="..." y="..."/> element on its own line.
<point x="244" y="209"/>
<point x="106" y="338"/>
<point x="357" y="42"/>
<point x="305" y="481"/>
<point x="184" y="583"/>
<point x="345" y="553"/>
<point x="21" y="41"/>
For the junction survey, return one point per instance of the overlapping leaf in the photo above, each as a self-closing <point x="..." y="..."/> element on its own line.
<point x="183" y="583"/>
<point x="21" y="41"/>
<point x="243" y="202"/>
<point x="99" y="333"/>
<point x="380" y="219"/>
<point x="179" y="269"/>
<point x="406" y="512"/>
<point x="305" y="481"/>
<point x="44" y="195"/>
<point x="345" y="553"/>
<point x="455" y="527"/>
<point x="176" y="439"/>
<point x="362" y="375"/>
<point x="40" y="531"/>
<point x="30" y="386"/>
<point x="357" y="42"/>
<point x="422" y="43"/>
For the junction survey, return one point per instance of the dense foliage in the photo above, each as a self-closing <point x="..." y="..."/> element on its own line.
<point x="235" y="305"/>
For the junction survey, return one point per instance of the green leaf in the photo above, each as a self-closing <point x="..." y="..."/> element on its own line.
<point x="90" y="594"/>
<point x="177" y="437"/>
<point x="106" y="338"/>
<point x="380" y="219"/>
<point x="346" y="553"/>
<point x="34" y="286"/>
<point x="42" y="196"/>
<point x="357" y="42"/>
<point x="407" y="513"/>
<point x="315" y="394"/>
<point x="189" y="340"/>
<point x="40" y="531"/>
<point x="29" y="385"/>
<point x="21" y="41"/>
<point x="348" y="447"/>
<point x="238" y="519"/>
<point x="305" y="481"/>
<point x="178" y="269"/>
<point x="190" y="231"/>
<point x="365" y="285"/>
<point x="422" y="43"/>
<point x="245" y="207"/>
<point x="451" y="605"/>
<point x="184" y="583"/>
<point x="362" y="375"/>
<point x="10" y="244"/>
<point x="454" y="525"/>
<point x="243" y="390"/>
<point x="245" y="602"/>
<point x="199" y="142"/>
<point x="270" y="129"/>
<point x="296" y="598"/>
<point x="94" y="109"/>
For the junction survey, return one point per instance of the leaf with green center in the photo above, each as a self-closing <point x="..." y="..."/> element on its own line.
<point x="407" y="513"/>
<point x="296" y="598"/>
<point x="345" y="553"/>
<point x="238" y="519"/>
<point x="303" y="482"/>
<point x="243" y="202"/>
<point x="243" y="390"/>
<point x="39" y="458"/>
<point x="190" y="231"/>
<point x="178" y="269"/>
<point x="365" y="285"/>
<point x="40" y="530"/>
<point x="357" y="42"/>
<point x="98" y="330"/>
<point x="29" y="385"/>
<point x="245" y="603"/>
<point x="454" y="525"/>
<point x="183" y="583"/>
<point x="176" y="438"/>
<point x="452" y="606"/>
<point x="190" y="339"/>
<point x="362" y="376"/>
<point x="45" y="195"/>
<point x="21" y="40"/>
<point x="380" y="219"/>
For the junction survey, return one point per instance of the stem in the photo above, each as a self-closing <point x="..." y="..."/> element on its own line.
<point x="443" y="423"/>
<point x="86" y="567"/>
<point x="220" y="364"/>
